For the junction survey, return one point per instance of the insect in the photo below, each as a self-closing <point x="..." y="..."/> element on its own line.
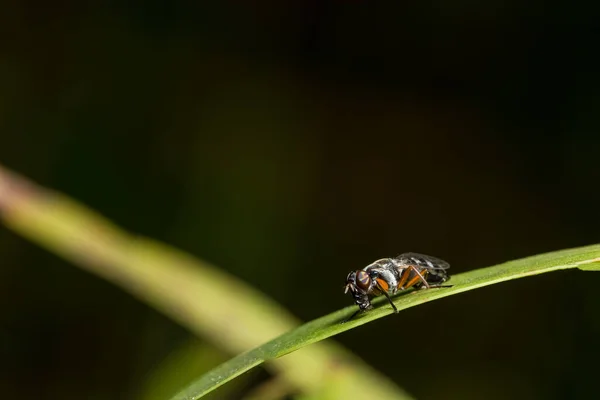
<point x="388" y="275"/>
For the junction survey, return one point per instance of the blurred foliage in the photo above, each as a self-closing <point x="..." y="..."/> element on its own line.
<point x="209" y="302"/>
<point x="180" y="368"/>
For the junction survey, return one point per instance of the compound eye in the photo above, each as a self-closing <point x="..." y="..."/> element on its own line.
<point x="363" y="280"/>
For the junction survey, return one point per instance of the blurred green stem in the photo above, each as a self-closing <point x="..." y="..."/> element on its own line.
<point x="209" y="302"/>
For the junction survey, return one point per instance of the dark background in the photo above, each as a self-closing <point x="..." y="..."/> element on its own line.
<point x="288" y="140"/>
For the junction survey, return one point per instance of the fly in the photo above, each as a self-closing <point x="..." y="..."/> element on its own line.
<point x="389" y="275"/>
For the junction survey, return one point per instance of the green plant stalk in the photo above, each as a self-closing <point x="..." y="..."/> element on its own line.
<point x="209" y="302"/>
<point x="585" y="258"/>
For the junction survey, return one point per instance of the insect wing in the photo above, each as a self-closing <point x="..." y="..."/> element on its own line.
<point x="422" y="260"/>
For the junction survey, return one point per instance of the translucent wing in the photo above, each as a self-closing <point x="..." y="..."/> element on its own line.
<point x="421" y="260"/>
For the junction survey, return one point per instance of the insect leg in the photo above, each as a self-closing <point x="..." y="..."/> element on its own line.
<point x="404" y="278"/>
<point x="417" y="278"/>
<point x="440" y="283"/>
<point x="439" y="286"/>
<point x="352" y="316"/>
<point x="389" y="298"/>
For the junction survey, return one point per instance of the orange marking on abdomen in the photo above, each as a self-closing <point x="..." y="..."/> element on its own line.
<point x="383" y="284"/>
<point x="404" y="277"/>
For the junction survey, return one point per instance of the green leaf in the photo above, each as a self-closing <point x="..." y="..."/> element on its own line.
<point x="214" y="305"/>
<point x="187" y="290"/>
<point x="587" y="258"/>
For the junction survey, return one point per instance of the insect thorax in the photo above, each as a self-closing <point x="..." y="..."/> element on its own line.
<point x="385" y="269"/>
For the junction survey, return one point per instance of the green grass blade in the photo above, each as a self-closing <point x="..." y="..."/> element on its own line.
<point x="206" y="300"/>
<point x="586" y="258"/>
<point x="186" y="289"/>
